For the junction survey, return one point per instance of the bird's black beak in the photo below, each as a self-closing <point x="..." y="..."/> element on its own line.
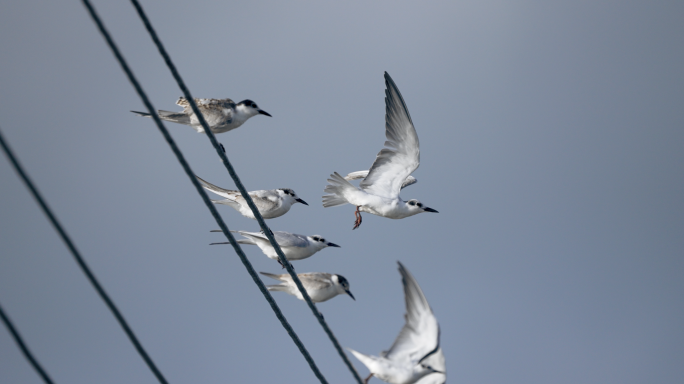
<point x="333" y="245"/>
<point x="265" y="113"/>
<point x="349" y="293"/>
<point x="426" y="209"/>
<point x="301" y="201"/>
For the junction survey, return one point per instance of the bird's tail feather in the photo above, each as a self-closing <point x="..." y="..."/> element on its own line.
<point x="272" y="276"/>
<point x="143" y="114"/>
<point x="368" y="361"/>
<point x="174" y="117"/>
<point x="336" y="187"/>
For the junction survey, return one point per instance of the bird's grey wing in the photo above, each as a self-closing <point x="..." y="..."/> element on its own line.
<point x="419" y="339"/>
<point x="264" y="200"/>
<point x="227" y="193"/>
<point x="410" y="180"/>
<point x="401" y="155"/>
<point x="215" y="111"/>
<point x="316" y="280"/>
<point x="437" y="362"/>
<point x="286" y="239"/>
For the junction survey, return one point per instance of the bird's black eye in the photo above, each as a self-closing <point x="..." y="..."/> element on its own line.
<point x="315" y="238"/>
<point x="254" y="105"/>
<point x="420" y="205"/>
<point x="322" y="240"/>
<point x="412" y="203"/>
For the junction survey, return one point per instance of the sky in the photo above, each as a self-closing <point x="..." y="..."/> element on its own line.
<point x="551" y="144"/>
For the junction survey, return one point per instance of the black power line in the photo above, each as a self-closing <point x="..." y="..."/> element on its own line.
<point x="240" y="186"/>
<point x="79" y="259"/>
<point x="24" y="348"/>
<point x="200" y="190"/>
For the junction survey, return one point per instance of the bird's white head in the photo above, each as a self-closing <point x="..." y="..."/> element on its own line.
<point x="320" y="242"/>
<point x="290" y="196"/>
<point x="415" y="207"/>
<point x="248" y="108"/>
<point x="342" y="285"/>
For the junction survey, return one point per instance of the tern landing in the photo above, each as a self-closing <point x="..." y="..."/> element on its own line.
<point x="222" y="115"/>
<point x="415" y="356"/>
<point x="379" y="191"/>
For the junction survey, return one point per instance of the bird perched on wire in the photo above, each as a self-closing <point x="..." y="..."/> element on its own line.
<point x="222" y="115"/>
<point x="271" y="203"/>
<point x="320" y="286"/>
<point x="379" y="191"/>
<point x="294" y="246"/>
<point x="415" y="355"/>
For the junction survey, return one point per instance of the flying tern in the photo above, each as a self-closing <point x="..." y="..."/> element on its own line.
<point x="379" y="191"/>
<point x="416" y="349"/>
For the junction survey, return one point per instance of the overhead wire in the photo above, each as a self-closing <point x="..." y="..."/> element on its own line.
<point x="24" y="348"/>
<point x="79" y="259"/>
<point x="200" y="190"/>
<point x="224" y="158"/>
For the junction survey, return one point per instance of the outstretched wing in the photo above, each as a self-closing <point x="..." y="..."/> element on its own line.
<point x="419" y="339"/>
<point x="401" y="155"/>
<point x="410" y="180"/>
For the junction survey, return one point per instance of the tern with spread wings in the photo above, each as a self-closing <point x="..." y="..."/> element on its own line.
<point x="415" y="356"/>
<point x="379" y="191"/>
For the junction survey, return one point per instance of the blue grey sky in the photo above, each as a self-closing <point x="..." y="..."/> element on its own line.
<point x="551" y="144"/>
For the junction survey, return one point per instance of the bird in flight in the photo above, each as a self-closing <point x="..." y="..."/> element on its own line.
<point x="378" y="192"/>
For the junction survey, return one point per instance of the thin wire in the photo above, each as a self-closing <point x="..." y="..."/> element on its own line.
<point x="240" y="186"/>
<point x="79" y="259"/>
<point x="24" y="348"/>
<point x="200" y="190"/>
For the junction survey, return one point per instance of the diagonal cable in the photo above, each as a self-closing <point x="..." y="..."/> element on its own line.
<point x="79" y="259"/>
<point x="200" y="190"/>
<point x="24" y="348"/>
<point x="240" y="186"/>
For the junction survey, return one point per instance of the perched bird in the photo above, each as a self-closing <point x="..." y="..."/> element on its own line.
<point x="320" y="286"/>
<point x="222" y="115"/>
<point x="379" y="191"/>
<point x="416" y="348"/>
<point x="295" y="247"/>
<point x="271" y="203"/>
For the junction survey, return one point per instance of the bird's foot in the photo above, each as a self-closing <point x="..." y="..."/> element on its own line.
<point x="357" y="214"/>
<point x="367" y="378"/>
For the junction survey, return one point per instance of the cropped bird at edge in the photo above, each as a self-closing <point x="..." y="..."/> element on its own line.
<point x="415" y="356"/>
<point x="294" y="246"/>
<point x="320" y="286"/>
<point x="222" y="115"/>
<point x="271" y="203"/>
<point x="378" y="192"/>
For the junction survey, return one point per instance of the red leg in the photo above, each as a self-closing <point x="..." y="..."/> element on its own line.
<point x="367" y="378"/>
<point x="357" y="214"/>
